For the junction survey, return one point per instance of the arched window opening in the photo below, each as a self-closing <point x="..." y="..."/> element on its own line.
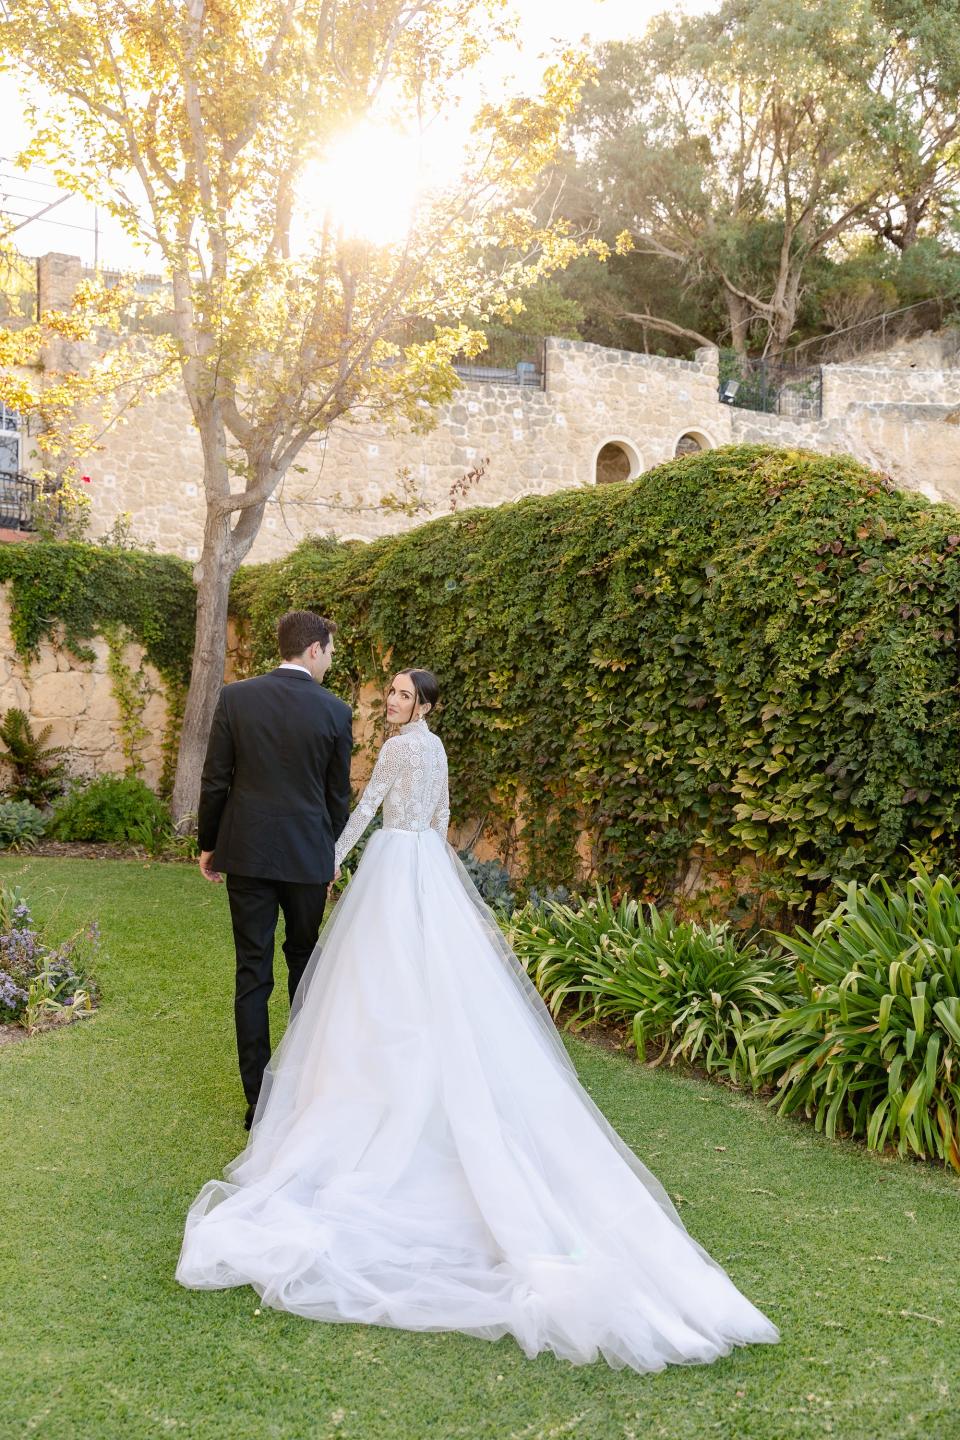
<point x="616" y="460"/>
<point x="692" y="442"/>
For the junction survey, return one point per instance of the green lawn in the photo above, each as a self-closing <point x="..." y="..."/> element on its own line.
<point x="111" y="1126"/>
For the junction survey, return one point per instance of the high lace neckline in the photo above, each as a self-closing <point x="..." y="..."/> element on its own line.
<point x="418" y="724"/>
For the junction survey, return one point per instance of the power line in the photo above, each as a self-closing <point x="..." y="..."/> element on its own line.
<point x="27" y="179"/>
<point x="62" y="224"/>
<point x="32" y="199"/>
<point x="38" y="215"/>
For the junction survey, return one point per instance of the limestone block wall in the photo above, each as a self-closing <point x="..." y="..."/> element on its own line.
<point x="933" y="350"/>
<point x="911" y="444"/>
<point x="846" y="385"/>
<point x="526" y="440"/>
<point x="602" y="415"/>
<point x="75" y="698"/>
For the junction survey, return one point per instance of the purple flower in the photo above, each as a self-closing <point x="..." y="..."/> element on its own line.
<point x="12" y="997"/>
<point x="62" y="970"/>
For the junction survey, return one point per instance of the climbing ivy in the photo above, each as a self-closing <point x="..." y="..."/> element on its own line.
<point x="69" y="592"/>
<point x="748" y="650"/>
<point x="131" y="690"/>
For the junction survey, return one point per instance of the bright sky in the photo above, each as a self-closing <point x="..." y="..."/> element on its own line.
<point x="545" y="26"/>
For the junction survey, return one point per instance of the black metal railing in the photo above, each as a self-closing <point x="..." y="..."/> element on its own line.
<point x="18" y="498"/>
<point x="508" y="359"/>
<point x="884" y="332"/>
<point x="771" y="389"/>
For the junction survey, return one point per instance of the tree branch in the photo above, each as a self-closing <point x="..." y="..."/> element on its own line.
<point x="668" y="327"/>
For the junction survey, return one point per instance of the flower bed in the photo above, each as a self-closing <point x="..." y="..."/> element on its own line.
<point x="43" y="983"/>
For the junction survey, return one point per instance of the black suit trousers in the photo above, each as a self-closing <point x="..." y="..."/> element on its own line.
<point x="255" y="907"/>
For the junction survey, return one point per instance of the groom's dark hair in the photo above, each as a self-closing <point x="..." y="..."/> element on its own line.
<point x="300" y="628"/>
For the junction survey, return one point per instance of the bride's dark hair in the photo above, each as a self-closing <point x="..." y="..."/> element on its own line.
<point x="426" y="685"/>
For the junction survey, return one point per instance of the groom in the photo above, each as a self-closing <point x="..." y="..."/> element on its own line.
<point x="274" y="797"/>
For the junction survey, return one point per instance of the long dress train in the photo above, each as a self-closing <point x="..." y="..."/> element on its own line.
<point x="423" y="1154"/>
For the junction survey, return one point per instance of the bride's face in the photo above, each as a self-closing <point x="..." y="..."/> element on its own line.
<point x="401" y="700"/>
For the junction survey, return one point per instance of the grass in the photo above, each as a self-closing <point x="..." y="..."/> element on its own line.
<point x="111" y="1126"/>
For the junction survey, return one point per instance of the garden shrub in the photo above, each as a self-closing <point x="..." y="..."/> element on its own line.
<point x="43" y="983"/>
<point x="112" y="809"/>
<point x="491" y="879"/>
<point x="553" y="940"/>
<point x="856" y="1025"/>
<point x="38" y="769"/>
<point x="22" y="825"/>
<point x="872" y="1049"/>
<point x="695" y="992"/>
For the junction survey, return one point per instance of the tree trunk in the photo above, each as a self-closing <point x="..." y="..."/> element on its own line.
<point x="914" y="207"/>
<point x="786" y="302"/>
<point x="740" y="315"/>
<point x="217" y="567"/>
<point x="228" y="535"/>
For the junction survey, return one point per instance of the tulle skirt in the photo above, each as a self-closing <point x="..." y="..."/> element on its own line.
<point x="423" y="1155"/>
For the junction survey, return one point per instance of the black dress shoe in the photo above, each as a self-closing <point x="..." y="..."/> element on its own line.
<point x="248" y="1117"/>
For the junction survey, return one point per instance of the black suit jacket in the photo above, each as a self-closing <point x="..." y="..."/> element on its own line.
<point x="275" y="791"/>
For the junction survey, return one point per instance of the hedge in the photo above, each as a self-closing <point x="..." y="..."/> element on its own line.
<point x="86" y="590"/>
<point x="748" y="650"/>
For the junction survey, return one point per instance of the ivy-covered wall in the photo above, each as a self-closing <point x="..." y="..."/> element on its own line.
<point x="748" y="655"/>
<point x="72" y="591"/>
<point x="97" y="643"/>
<point x="747" y="652"/>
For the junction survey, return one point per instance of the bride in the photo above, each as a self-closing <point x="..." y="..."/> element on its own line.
<point x="422" y="1154"/>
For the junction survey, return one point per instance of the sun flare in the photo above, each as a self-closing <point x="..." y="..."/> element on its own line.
<point x="372" y="181"/>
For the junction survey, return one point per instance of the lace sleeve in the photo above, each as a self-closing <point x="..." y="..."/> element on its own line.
<point x="441" y="815"/>
<point x="385" y="772"/>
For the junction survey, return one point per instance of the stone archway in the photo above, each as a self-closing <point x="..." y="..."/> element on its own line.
<point x="616" y="460"/>
<point x="691" y="442"/>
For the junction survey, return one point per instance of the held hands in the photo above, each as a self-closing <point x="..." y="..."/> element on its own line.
<point x="206" y="871"/>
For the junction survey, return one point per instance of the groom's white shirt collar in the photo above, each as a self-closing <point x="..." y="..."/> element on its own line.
<point x="291" y="665"/>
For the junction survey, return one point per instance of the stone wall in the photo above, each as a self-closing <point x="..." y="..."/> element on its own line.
<point x="911" y="444"/>
<point x="602" y="415"/>
<point x="75" y="698"/>
<point x="875" y="385"/>
<point x="525" y="440"/>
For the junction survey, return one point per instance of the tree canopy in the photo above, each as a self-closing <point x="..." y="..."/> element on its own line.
<point x="754" y="151"/>
<point x="195" y="123"/>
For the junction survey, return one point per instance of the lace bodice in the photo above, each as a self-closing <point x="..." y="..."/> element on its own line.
<point x="410" y="781"/>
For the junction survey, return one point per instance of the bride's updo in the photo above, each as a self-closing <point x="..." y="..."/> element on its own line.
<point x="426" y="685"/>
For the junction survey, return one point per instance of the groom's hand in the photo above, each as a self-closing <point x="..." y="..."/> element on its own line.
<point x="206" y="869"/>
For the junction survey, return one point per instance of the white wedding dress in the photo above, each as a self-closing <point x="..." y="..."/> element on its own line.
<point x="423" y="1155"/>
